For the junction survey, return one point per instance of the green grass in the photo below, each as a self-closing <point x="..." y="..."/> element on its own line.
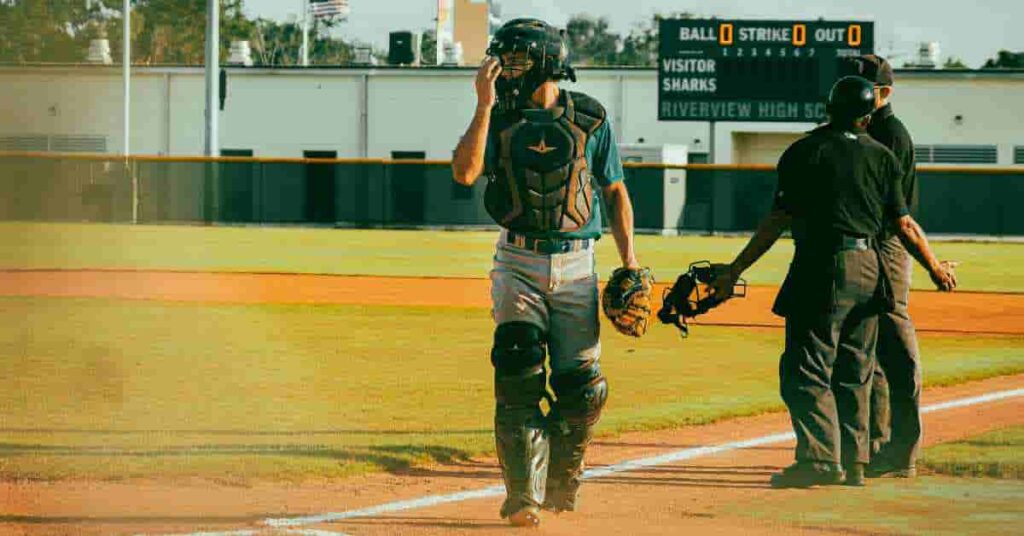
<point x="109" y="389"/>
<point x="954" y="502"/>
<point x="985" y="267"/>
<point x="930" y="505"/>
<point x="997" y="454"/>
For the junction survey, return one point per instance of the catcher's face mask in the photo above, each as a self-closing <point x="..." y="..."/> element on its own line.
<point x="531" y="52"/>
<point x="515" y="64"/>
<point x="691" y="296"/>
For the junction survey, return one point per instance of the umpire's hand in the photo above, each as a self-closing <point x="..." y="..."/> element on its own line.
<point x="944" y="276"/>
<point x="725" y="280"/>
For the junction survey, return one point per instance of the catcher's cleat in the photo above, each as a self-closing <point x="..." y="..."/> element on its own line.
<point x="526" y="517"/>
<point x="808" y="474"/>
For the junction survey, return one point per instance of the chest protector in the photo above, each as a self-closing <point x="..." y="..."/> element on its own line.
<point x="542" y="182"/>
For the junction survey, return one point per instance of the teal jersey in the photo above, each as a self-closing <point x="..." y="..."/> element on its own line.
<point x="602" y="154"/>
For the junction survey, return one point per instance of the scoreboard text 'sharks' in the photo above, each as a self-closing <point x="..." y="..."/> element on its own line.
<point x="753" y="70"/>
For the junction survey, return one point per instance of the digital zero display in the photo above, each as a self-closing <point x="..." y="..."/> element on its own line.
<point x="753" y="70"/>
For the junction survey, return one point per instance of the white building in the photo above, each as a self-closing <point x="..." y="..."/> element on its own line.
<point x="954" y="116"/>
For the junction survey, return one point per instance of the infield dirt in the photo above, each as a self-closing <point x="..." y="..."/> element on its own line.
<point x="687" y="497"/>
<point x="697" y="496"/>
<point x="957" y="312"/>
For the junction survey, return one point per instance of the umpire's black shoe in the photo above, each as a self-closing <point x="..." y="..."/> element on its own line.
<point x="882" y="468"/>
<point x="855" y="475"/>
<point x="808" y="474"/>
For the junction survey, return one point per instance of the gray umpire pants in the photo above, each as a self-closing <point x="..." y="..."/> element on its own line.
<point x="826" y="368"/>
<point x="896" y="385"/>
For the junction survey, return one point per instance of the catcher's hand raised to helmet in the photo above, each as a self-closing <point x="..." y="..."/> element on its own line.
<point x="626" y="300"/>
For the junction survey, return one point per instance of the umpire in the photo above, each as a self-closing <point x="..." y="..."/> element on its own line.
<point x="837" y="189"/>
<point x="895" y="418"/>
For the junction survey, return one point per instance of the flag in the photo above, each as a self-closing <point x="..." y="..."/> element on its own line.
<point x="329" y="8"/>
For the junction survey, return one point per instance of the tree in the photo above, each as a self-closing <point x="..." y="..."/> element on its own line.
<point x="163" y="32"/>
<point x="640" y="47"/>
<point x="53" y="31"/>
<point x="590" y="41"/>
<point x="954" y="63"/>
<point x="428" y="47"/>
<point x="1005" y="60"/>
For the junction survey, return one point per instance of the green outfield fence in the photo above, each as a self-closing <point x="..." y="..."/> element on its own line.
<point x="701" y="198"/>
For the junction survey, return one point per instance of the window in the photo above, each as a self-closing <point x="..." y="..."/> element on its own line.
<point x="1018" y="154"/>
<point x="955" y="154"/>
<point x="78" y="144"/>
<point x="24" y="143"/>
<point x="60" y="143"/>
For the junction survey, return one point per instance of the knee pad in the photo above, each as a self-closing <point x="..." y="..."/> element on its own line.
<point x="518" y="359"/>
<point x="581" y="394"/>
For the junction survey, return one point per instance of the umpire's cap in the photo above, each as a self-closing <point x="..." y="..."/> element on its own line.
<point x="871" y="66"/>
<point x="852" y="97"/>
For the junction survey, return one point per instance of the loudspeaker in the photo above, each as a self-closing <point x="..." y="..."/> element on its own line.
<point x="404" y="48"/>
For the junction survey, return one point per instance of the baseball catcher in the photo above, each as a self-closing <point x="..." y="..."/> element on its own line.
<point x="693" y="295"/>
<point x="626" y="300"/>
<point x="549" y="158"/>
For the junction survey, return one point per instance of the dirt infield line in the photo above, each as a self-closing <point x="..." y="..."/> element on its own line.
<point x="674" y="498"/>
<point x="609" y="470"/>
<point x="959" y="312"/>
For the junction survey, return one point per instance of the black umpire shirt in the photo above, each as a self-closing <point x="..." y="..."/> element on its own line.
<point x="833" y="182"/>
<point x="888" y="130"/>
<point x="840" y="182"/>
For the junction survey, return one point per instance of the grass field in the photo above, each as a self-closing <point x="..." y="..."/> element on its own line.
<point x="997" y="454"/>
<point x="108" y="389"/>
<point x="952" y="502"/>
<point x="985" y="267"/>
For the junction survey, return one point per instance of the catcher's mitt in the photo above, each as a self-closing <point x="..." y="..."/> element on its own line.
<point x="691" y="296"/>
<point x="626" y="300"/>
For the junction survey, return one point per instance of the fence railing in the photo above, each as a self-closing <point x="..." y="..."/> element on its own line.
<point x="413" y="193"/>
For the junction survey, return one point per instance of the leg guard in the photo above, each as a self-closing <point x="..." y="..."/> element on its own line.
<point x="519" y="425"/>
<point x="581" y="396"/>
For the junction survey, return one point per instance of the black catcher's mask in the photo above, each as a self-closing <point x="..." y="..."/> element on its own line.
<point x="690" y="296"/>
<point x="531" y="52"/>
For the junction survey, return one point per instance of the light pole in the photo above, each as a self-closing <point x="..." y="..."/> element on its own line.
<point x="305" y="33"/>
<point x="126" y="67"/>
<point x="212" y="146"/>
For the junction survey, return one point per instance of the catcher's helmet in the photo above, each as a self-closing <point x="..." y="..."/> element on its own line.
<point x="531" y="52"/>
<point x="852" y="97"/>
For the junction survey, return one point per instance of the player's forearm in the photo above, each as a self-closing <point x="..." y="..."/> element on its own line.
<point x="620" y="214"/>
<point x="468" y="160"/>
<point x="916" y="242"/>
<point x="767" y="233"/>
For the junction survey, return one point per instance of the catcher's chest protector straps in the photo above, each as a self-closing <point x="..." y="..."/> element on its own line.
<point x="543" y="181"/>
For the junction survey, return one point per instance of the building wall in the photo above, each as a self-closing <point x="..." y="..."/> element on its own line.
<point x="472" y="29"/>
<point x="373" y="112"/>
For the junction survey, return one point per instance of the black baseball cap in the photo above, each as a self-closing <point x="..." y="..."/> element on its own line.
<point x="873" y="67"/>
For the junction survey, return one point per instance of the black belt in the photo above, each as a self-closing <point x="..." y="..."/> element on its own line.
<point x="840" y="242"/>
<point x="547" y="246"/>
<point x="855" y="243"/>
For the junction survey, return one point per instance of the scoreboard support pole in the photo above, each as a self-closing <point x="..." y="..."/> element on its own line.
<point x="711" y="142"/>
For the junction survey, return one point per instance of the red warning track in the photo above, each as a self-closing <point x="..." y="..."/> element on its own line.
<point x="958" y="312"/>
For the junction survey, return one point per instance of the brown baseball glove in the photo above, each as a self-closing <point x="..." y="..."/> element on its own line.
<point x="626" y="300"/>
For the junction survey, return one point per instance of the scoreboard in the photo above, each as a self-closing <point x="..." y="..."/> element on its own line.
<point x="753" y="70"/>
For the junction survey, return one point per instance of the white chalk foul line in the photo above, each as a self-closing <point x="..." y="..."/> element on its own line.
<point x="629" y="465"/>
<point x="250" y="532"/>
